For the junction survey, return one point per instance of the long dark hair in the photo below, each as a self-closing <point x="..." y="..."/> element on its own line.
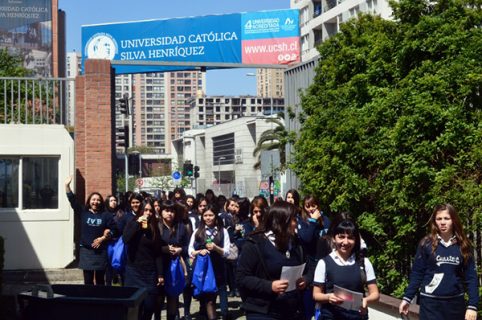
<point x="139" y="197"/>
<point x="196" y="204"/>
<point x="243" y="212"/>
<point x="152" y="220"/>
<point x="181" y="192"/>
<point x="296" y="196"/>
<point x="87" y="203"/>
<point x="457" y="227"/>
<point x="200" y="235"/>
<point x="278" y="220"/>
<point x="170" y="205"/>
<point x="107" y="204"/>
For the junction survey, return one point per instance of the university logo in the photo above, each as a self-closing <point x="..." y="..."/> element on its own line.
<point x="289" y="25"/>
<point x="289" y="21"/>
<point x="101" y="46"/>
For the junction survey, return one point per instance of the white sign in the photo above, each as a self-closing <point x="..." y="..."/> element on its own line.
<point x="176" y="176"/>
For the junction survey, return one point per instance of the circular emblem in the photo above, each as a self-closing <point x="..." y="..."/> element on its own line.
<point x="101" y="46"/>
<point x="176" y="175"/>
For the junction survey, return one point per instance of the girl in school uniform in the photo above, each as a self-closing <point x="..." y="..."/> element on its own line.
<point x="444" y="265"/>
<point x="97" y="227"/>
<point x="144" y="268"/>
<point x="344" y="267"/>
<point x="213" y="239"/>
<point x="270" y="248"/>
<point x="175" y="238"/>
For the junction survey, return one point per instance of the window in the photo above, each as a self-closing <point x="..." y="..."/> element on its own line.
<point x="39" y="182"/>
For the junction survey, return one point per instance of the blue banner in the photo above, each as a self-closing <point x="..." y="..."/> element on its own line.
<point x="270" y="24"/>
<point x="212" y="39"/>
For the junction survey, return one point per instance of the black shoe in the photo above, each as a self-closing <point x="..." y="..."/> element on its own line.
<point x="225" y="317"/>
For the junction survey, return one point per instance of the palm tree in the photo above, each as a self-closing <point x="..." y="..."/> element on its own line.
<point x="273" y="139"/>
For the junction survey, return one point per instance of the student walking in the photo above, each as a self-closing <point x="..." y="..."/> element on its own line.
<point x="344" y="267"/>
<point x="144" y="267"/>
<point x="271" y="247"/>
<point x="443" y="266"/>
<point x="175" y="238"/>
<point x="211" y="238"/>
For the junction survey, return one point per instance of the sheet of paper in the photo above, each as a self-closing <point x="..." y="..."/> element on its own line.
<point x="292" y="274"/>
<point x="352" y="300"/>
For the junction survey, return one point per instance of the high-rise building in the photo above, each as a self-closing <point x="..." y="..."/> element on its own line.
<point x="158" y="102"/>
<point x="269" y="83"/>
<point x="73" y="67"/>
<point x="320" y="19"/>
<point x="213" y="110"/>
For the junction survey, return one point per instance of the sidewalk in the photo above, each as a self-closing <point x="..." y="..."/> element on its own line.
<point x="15" y="282"/>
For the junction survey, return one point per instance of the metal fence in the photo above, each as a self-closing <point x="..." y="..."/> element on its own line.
<point x="35" y="100"/>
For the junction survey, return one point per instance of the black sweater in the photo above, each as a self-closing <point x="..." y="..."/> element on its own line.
<point x="92" y="225"/>
<point x="143" y="249"/>
<point x="254" y="279"/>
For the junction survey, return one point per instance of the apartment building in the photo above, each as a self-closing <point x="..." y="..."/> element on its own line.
<point x="158" y="105"/>
<point x="321" y="19"/>
<point x="270" y="83"/>
<point x="73" y="67"/>
<point x="213" y="110"/>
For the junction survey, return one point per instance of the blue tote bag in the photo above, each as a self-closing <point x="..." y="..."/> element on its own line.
<point x="118" y="255"/>
<point x="203" y="278"/>
<point x="175" y="281"/>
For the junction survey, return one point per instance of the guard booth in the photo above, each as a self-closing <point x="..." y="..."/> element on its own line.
<point x="36" y="154"/>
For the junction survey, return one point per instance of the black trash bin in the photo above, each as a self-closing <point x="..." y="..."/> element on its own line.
<point x="72" y="302"/>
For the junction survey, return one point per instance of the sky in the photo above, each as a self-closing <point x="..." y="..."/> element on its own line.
<point x="218" y="82"/>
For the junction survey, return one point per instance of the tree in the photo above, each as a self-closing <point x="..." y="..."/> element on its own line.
<point x="11" y="66"/>
<point x="142" y="149"/>
<point x="392" y="126"/>
<point x="274" y="139"/>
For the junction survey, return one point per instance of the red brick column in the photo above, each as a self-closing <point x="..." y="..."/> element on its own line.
<point x="94" y="125"/>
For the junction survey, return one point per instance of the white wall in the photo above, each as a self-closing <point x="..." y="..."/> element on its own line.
<point x="39" y="238"/>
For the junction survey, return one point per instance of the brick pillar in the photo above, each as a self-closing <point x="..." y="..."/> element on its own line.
<point x="94" y="123"/>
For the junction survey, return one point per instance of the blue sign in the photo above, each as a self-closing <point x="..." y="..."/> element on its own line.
<point x="176" y="175"/>
<point x="265" y="25"/>
<point x="212" y="39"/>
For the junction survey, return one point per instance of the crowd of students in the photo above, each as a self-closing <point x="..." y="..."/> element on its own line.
<point x="250" y="244"/>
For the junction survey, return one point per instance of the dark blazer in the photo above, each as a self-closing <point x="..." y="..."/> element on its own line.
<point x="254" y="278"/>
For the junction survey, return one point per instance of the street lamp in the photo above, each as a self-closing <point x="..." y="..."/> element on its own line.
<point x="219" y="173"/>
